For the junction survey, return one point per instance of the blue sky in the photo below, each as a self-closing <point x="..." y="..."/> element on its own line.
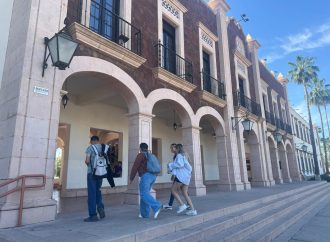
<point x="285" y="29"/>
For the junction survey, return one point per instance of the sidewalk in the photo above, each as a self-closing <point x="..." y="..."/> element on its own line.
<point x="317" y="228"/>
<point x="123" y="219"/>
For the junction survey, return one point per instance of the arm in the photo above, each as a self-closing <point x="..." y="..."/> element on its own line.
<point x="88" y="159"/>
<point x="177" y="163"/>
<point x="88" y="153"/>
<point x="136" y="165"/>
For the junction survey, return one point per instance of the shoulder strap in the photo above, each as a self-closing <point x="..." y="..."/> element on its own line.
<point x="95" y="150"/>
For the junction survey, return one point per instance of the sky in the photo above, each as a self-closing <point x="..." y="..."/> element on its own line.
<point x="285" y="29"/>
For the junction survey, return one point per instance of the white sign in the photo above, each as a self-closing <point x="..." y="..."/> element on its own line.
<point x="41" y="90"/>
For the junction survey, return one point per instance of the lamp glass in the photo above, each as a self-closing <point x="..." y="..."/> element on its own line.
<point x="278" y="137"/>
<point x="247" y="124"/>
<point x="62" y="48"/>
<point x="304" y="148"/>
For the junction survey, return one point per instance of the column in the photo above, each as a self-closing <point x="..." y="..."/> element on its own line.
<point x="275" y="166"/>
<point x="220" y="8"/>
<point x="191" y="141"/>
<point x="139" y="130"/>
<point x="285" y="167"/>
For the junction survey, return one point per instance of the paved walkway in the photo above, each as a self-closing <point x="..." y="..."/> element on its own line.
<point x="316" y="229"/>
<point x="123" y="219"/>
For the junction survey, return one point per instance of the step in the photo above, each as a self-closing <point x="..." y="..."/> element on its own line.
<point x="287" y="227"/>
<point x="246" y="229"/>
<point x="225" y="221"/>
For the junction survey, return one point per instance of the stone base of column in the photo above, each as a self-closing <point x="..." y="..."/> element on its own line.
<point x="296" y="178"/>
<point x="231" y="187"/>
<point x="260" y="184"/>
<point x="197" y="191"/>
<point x="44" y="211"/>
<point x="287" y="180"/>
<point x="278" y="181"/>
<point x="247" y="186"/>
<point x="272" y="183"/>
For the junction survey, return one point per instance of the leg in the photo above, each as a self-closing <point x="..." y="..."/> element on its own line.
<point x="145" y="186"/>
<point x="170" y="202"/>
<point x="99" y="202"/>
<point x="174" y="190"/>
<point x="91" y="190"/>
<point x="184" y="190"/>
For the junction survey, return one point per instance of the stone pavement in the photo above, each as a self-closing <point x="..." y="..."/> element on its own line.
<point x="123" y="219"/>
<point x="316" y="229"/>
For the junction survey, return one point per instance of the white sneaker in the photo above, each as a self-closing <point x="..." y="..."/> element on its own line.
<point x="167" y="207"/>
<point x="157" y="213"/>
<point x="182" y="208"/>
<point x="140" y="216"/>
<point x="191" y="212"/>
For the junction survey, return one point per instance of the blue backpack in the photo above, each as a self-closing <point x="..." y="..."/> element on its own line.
<point x="153" y="164"/>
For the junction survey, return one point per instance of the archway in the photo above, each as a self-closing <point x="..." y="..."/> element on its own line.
<point x="283" y="162"/>
<point x="274" y="156"/>
<point x="254" y="166"/>
<point x="213" y="147"/>
<point x="100" y="96"/>
<point x="292" y="162"/>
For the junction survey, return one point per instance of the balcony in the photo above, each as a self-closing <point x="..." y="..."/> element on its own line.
<point x="106" y="32"/>
<point x="173" y="69"/>
<point x="241" y="100"/>
<point x="213" y="90"/>
<point x="270" y="118"/>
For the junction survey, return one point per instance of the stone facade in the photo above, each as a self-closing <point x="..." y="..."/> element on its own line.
<point x="118" y="88"/>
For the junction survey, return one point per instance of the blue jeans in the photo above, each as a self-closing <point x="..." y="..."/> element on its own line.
<point x="94" y="194"/>
<point x="146" y="200"/>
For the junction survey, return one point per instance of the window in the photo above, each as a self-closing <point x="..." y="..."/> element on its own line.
<point x="103" y="18"/>
<point x="206" y="72"/>
<point x="169" y="56"/>
<point x="241" y="91"/>
<point x="157" y="149"/>
<point x="264" y="100"/>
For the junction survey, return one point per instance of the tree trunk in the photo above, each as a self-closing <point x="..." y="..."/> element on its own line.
<point x="324" y="143"/>
<point x="326" y="116"/>
<point x="311" y="132"/>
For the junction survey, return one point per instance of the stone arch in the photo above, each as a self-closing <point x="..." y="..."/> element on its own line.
<point x="283" y="162"/>
<point x="274" y="157"/>
<point x="214" y="160"/>
<point x="216" y="118"/>
<point x="187" y="117"/>
<point x="292" y="161"/>
<point x="131" y="90"/>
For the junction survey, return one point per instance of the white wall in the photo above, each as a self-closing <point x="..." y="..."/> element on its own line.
<point x="6" y="7"/>
<point x="81" y="119"/>
<point x="211" y="167"/>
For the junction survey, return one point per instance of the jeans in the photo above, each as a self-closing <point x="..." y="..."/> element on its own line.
<point x="146" y="200"/>
<point x="170" y="202"/>
<point x="94" y="194"/>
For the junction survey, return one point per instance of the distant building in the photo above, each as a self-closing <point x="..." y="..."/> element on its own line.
<point x="301" y="136"/>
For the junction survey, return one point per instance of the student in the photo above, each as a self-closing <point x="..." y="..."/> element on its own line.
<point x="181" y="169"/>
<point x="170" y="202"/>
<point x="93" y="184"/>
<point x="147" y="179"/>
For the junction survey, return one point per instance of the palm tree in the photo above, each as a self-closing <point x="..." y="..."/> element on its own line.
<point x="302" y="72"/>
<point x="317" y="96"/>
<point x="326" y="101"/>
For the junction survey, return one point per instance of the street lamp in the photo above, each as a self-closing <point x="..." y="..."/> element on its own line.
<point x="247" y="123"/>
<point x="61" y="49"/>
<point x="278" y="136"/>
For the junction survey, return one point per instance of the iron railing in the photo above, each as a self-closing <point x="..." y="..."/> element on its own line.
<point x="21" y="186"/>
<point x="104" y="22"/>
<point x="244" y="101"/>
<point x="208" y="80"/>
<point x="270" y="118"/>
<point x="174" y="63"/>
<point x="280" y="124"/>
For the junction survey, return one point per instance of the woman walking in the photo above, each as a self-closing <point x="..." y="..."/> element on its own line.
<point x="181" y="169"/>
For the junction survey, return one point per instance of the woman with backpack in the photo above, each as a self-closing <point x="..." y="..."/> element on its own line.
<point x="181" y="169"/>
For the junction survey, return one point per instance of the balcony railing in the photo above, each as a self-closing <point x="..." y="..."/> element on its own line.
<point x="208" y="81"/>
<point x="244" y="101"/>
<point x="107" y="24"/>
<point x="270" y="118"/>
<point x="170" y="61"/>
<point x="280" y="124"/>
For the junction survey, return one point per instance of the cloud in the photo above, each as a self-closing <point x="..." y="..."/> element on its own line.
<point x="309" y="38"/>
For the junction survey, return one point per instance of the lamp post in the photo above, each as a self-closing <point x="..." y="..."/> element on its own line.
<point x="61" y="48"/>
<point x="278" y="136"/>
<point x="247" y="123"/>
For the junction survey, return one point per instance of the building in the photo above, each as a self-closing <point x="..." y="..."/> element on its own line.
<point x="145" y="71"/>
<point x="303" y="146"/>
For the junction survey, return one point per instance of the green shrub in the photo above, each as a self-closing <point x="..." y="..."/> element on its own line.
<point x="325" y="177"/>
